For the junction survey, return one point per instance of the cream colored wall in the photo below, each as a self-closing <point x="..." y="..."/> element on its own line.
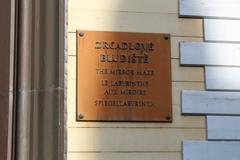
<point x="134" y="141"/>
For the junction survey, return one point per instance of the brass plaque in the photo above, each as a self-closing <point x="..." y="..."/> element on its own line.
<point x="123" y="76"/>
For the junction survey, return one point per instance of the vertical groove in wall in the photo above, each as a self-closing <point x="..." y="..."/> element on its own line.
<point x="7" y="17"/>
<point x="24" y="53"/>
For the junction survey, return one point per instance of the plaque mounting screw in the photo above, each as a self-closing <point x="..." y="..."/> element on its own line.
<point x="80" y="116"/>
<point x="166" y="37"/>
<point x="81" y="34"/>
<point x="168" y="117"/>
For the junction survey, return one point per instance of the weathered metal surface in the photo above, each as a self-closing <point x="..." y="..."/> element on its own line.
<point x="222" y="78"/>
<point x="209" y="102"/>
<point x="222" y="30"/>
<point x="200" y="54"/>
<point x="223" y="128"/>
<point x="210" y="8"/>
<point x="123" y="76"/>
<point x="204" y="150"/>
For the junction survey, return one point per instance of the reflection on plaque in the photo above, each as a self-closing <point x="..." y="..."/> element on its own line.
<point x="123" y="76"/>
